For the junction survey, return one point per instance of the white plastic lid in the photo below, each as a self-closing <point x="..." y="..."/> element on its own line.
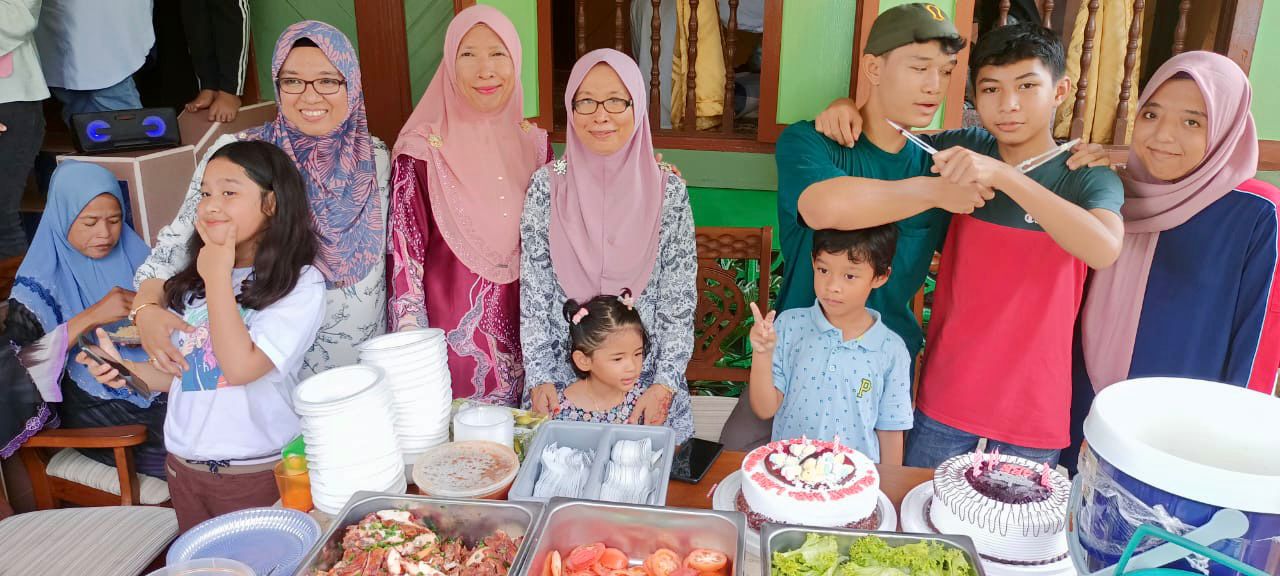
<point x="393" y="340"/>
<point x="336" y="385"/>
<point x="1206" y="441"/>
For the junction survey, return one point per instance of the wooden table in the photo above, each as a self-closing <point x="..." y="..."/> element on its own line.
<point x="895" y="482"/>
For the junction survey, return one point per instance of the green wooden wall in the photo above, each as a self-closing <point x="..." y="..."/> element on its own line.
<point x="1266" y="78"/>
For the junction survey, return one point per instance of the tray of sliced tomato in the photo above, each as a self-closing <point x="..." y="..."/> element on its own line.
<point x="583" y="538"/>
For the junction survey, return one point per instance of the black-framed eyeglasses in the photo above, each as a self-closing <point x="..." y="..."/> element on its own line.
<point x="587" y="106"/>
<point x="323" y="86"/>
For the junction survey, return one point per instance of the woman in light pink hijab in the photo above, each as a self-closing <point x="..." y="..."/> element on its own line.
<point x="462" y="163"/>
<point x="1194" y="293"/>
<point x="604" y="219"/>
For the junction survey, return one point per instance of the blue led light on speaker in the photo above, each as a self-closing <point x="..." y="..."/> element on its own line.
<point x="95" y="131"/>
<point x="155" y="126"/>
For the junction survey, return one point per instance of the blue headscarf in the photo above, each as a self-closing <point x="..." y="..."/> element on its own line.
<point x="57" y="282"/>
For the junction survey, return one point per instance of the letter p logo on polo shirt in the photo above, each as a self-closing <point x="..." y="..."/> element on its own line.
<point x="936" y="12"/>
<point x="864" y="387"/>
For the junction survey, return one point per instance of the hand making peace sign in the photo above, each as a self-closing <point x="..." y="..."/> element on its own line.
<point x="763" y="337"/>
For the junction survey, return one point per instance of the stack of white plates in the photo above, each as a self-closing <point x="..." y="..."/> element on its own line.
<point x="350" y="436"/>
<point x="416" y="363"/>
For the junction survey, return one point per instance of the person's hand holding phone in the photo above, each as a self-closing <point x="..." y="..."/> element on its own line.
<point x="94" y="358"/>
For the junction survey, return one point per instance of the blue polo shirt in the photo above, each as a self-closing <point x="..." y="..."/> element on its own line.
<point x="831" y="386"/>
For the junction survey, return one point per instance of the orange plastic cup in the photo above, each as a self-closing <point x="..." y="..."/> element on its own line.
<point x="294" y="486"/>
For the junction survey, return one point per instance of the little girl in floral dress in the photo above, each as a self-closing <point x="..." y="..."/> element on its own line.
<point x="607" y="347"/>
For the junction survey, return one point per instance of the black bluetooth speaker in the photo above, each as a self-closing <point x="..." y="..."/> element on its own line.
<point x="118" y="130"/>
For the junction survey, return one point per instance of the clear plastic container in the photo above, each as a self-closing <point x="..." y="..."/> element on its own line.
<point x="484" y="422"/>
<point x="474" y="469"/>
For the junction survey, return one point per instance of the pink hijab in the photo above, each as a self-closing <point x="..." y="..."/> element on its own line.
<point x="1114" y="305"/>
<point x="606" y="210"/>
<point x="479" y="163"/>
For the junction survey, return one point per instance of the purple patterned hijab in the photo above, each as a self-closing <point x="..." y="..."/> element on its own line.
<point x="338" y="168"/>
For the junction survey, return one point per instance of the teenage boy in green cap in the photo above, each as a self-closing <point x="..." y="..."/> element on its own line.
<point x="910" y="54"/>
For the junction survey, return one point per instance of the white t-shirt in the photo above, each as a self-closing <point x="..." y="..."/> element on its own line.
<point x="211" y="420"/>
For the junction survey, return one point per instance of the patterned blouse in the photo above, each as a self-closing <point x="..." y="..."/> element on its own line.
<point x="666" y="305"/>
<point x="354" y="313"/>
<point x="567" y="410"/>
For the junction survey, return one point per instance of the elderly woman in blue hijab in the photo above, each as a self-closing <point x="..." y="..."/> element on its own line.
<point x="74" y="279"/>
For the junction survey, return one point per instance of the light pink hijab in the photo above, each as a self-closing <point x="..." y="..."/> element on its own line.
<point x="606" y="210"/>
<point x="479" y="163"/>
<point x="1114" y="305"/>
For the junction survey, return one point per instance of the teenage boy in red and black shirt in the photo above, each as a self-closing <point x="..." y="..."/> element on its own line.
<point x="998" y="360"/>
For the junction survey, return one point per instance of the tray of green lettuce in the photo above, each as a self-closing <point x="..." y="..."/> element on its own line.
<point x="801" y="551"/>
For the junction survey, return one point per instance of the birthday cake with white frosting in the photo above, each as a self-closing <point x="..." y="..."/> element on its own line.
<point x="1014" y="509"/>
<point x="809" y="482"/>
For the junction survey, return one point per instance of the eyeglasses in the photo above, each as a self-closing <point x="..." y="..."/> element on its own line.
<point x="587" y="106"/>
<point x="323" y="86"/>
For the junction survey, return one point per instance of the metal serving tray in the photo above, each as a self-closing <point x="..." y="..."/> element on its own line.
<point x="470" y="520"/>
<point x="600" y="439"/>
<point x="782" y="538"/>
<point x="637" y="530"/>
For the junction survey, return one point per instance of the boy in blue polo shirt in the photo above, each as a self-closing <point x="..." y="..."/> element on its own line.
<point x="834" y="368"/>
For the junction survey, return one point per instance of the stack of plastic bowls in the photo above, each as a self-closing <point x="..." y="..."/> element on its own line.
<point x="351" y="439"/>
<point x="416" y="364"/>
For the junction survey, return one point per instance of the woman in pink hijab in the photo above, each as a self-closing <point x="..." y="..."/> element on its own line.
<point x="607" y="218"/>
<point x="461" y="165"/>
<point x="1194" y="293"/>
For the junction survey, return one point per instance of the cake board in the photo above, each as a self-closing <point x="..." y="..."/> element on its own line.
<point x="914" y="520"/>
<point x="725" y="496"/>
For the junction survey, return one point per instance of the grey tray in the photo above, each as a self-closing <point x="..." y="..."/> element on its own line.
<point x="469" y="520"/>
<point x="637" y="530"/>
<point x="780" y="538"/>
<point x="598" y="438"/>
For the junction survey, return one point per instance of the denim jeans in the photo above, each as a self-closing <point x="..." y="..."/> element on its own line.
<point x="930" y="443"/>
<point x="122" y="96"/>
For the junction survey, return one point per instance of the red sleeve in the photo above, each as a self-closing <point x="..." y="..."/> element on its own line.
<point x="1266" y="362"/>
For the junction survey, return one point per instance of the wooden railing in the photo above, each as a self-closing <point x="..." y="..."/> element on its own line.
<point x="688" y="123"/>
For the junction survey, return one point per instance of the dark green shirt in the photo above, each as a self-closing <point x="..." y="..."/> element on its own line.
<point x="806" y="157"/>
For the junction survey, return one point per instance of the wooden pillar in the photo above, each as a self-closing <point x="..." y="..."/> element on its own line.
<point x="655" y="79"/>
<point x="580" y="28"/>
<point x="1086" y="61"/>
<point x="726" y="124"/>
<point x="384" y="66"/>
<point x="1046" y="13"/>
<point x="1180" y="33"/>
<point x="1003" y="18"/>
<point x="691" y="71"/>
<point x="1238" y="31"/>
<point x="1121" y="133"/>
<point x="618" y="7"/>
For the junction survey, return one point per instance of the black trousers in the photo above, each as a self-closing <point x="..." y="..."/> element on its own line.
<point x="18" y="148"/>
<point x="218" y="38"/>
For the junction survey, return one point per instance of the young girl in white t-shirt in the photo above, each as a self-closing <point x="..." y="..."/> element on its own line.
<point x="254" y="305"/>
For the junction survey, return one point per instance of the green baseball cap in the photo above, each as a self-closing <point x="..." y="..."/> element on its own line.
<point x="908" y="24"/>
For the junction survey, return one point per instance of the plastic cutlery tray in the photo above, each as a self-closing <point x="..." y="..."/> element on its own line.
<point x="600" y="439"/>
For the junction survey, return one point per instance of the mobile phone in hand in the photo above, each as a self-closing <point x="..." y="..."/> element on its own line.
<point x="131" y="381"/>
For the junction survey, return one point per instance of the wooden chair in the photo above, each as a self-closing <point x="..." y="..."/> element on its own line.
<point x="108" y="541"/>
<point x="722" y="308"/>
<point x="60" y="475"/>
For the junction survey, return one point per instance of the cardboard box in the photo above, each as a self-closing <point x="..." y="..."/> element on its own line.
<point x="198" y="131"/>
<point x="155" y="182"/>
